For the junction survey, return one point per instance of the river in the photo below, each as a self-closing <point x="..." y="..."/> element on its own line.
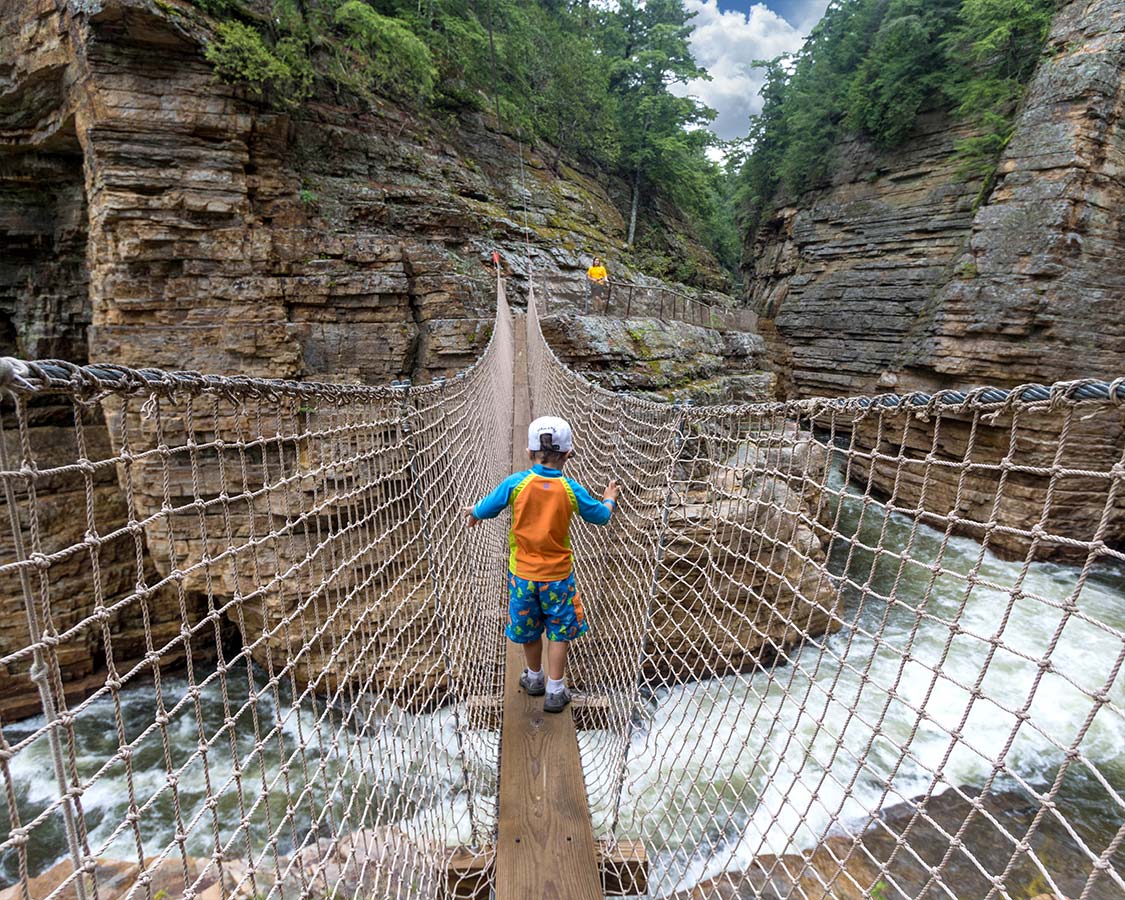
<point x="771" y="763"/>
<point x="721" y="771"/>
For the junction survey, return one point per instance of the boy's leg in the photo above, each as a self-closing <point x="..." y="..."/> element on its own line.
<point x="556" y="659"/>
<point x="564" y="621"/>
<point x="533" y="653"/>
<point x="525" y="626"/>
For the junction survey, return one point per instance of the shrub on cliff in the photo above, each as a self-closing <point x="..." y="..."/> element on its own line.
<point x="389" y="56"/>
<point x="239" y="55"/>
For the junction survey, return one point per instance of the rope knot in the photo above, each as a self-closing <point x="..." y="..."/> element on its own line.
<point x="13" y="374"/>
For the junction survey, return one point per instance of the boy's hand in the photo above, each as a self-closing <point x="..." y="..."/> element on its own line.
<point x="470" y="519"/>
<point x="610" y="492"/>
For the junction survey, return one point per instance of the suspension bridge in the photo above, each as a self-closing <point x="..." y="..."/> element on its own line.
<point x="250" y="651"/>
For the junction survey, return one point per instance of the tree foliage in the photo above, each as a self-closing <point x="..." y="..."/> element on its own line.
<point x="240" y="55"/>
<point x="392" y="59"/>
<point x="872" y="67"/>
<point x="593" y="80"/>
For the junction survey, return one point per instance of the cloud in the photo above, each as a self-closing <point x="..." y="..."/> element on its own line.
<point x="726" y="43"/>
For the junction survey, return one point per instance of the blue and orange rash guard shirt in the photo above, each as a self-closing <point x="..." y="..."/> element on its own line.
<point x="542" y="502"/>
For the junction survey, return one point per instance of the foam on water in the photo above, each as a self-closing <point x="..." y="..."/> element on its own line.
<point x="860" y="722"/>
<point x="333" y="763"/>
<point x="723" y="771"/>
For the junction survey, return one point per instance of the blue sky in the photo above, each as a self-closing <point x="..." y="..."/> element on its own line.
<point x="728" y="36"/>
<point x="795" y="12"/>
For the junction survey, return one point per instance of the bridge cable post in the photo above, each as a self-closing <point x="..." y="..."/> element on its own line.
<point x="39" y="672"/>
<point x="409" y="406"/>
<point x="676" y="447"/>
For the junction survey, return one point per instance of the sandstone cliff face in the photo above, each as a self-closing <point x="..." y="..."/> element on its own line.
<point x="887" y="279"/>
<point x="151" y="216"/>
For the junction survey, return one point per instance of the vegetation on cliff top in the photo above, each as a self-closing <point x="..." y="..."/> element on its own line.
<point x="592" y="80"/>
<point x="872" y="66"/>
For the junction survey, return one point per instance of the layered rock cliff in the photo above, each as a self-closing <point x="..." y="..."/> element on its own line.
<point x="889" y="278"/>
<point x="152" y="216"/>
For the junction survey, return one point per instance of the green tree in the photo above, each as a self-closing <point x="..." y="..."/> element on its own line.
<point x="647" y="46"/>
<point x="390" y="55"/>
<point x="994" y="51"/>
<point x="902" y="69"/>
<point x="570" y="89"/>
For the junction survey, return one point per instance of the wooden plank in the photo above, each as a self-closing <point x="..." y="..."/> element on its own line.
<point x="545" y="846"/>
<point x="623" y="870"/>
<point x="590" y="713"/>
<point x="468" y="873"/>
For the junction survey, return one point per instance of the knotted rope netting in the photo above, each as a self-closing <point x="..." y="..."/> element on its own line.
<point x="841" y="648"/>
<point x="245" y="610"/>
<point x="839" y="663"/>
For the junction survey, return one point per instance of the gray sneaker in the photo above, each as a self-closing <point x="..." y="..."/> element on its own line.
<point x="535" y="687"/>
<point x="556" y="701"/>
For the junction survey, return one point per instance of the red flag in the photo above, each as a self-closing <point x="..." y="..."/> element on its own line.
<point x="495" y="257"/>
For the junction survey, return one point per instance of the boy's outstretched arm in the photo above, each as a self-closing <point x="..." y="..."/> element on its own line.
<point x="596" y="512"/>
<point x="493" y="504"/>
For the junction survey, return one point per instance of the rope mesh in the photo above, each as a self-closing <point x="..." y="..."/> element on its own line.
<point x="857" y="676"/>
<point x="294" y="553"/>
<point x="838" y="648"/>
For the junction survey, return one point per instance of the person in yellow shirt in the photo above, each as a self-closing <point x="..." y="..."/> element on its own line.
<point x="597" y="272"/>
<point x="599" y="282"/>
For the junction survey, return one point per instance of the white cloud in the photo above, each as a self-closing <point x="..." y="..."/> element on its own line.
<point x="726" y="43"/>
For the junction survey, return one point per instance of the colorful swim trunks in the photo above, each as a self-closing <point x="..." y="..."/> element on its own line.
<point x="537" y="605"/>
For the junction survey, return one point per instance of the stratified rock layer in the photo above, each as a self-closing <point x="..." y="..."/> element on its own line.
<point x="662" y="359"/>
<point x="888" y="279"/>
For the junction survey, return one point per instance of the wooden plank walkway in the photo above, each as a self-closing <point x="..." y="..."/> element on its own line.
<point x="545" y="844"/>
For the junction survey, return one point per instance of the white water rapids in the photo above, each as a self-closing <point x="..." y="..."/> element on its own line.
<point x="724" y="770"/>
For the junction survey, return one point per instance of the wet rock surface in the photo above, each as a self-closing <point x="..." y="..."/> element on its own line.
<point x="970" y="837"/>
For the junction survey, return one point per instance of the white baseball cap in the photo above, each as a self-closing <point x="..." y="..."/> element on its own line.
<point x="555" y="429"/>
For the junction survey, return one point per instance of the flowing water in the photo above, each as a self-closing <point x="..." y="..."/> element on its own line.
<point x="774" y="762"/>
<point x="724" y="770"/>
<point x="303" y="759"/>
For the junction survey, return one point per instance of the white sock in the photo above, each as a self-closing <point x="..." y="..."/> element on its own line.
<point x="537" y="674"/>
<point x="556" y="685"/>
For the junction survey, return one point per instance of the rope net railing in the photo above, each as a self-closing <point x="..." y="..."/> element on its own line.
<point x="856" y="648"/>
<point x="240" y="628"/>
<point x="838" y="648"/>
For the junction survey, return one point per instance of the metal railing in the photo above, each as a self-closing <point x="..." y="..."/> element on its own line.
<point x="627" y="298"/>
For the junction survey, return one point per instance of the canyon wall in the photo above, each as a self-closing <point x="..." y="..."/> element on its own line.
<point x="151" y="216"/>
<point x="891" y="278"/>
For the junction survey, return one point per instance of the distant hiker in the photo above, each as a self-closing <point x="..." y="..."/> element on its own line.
<point x="597" y="272"/>
<point x="541" y="591"/>
<point x="598" y="278"/>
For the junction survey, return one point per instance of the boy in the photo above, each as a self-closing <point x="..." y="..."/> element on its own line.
<point x="541" y="591"/>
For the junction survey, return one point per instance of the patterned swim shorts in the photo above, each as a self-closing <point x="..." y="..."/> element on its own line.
<point x="535" y="605"/>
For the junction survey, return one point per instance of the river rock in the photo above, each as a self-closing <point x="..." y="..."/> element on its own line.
<point x="846" y="868"/>
<point x="743" y="574"/>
